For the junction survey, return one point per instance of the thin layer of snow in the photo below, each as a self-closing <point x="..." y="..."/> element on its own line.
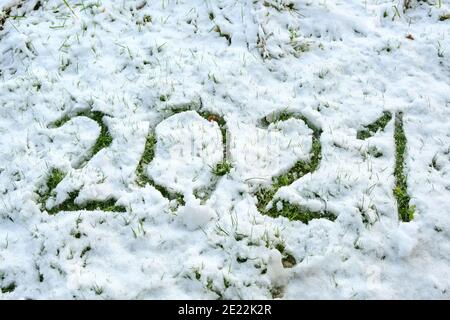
<point x="339" y="63"/>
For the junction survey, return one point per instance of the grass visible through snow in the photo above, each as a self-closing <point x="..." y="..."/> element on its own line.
<point x="375" y="126"/>
<point x="147" y="157"/>
<point x="266" y="195"/>
<point x="104" y="139"/>
<point x="141" y="176"/>
<point x="91" y="205"/>
<point x="220" y="169"/>
<point x="56" y="175"/>
<point x="9" y="288"/>
<point x="298" y="212"/>
<point x="54" y="178"/>
<point x="405" y="212"/>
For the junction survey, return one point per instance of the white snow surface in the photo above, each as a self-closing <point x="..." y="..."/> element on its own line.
<point x="259" y="154"/>
<point x="339" y="63"/>
<point x="188" y="146"/>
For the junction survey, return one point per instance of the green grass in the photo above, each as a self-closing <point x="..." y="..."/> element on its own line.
<point x="280" y="5"/>
<point x="6" y="14"/>
<point x="141" y="176"/>
<point x="375" y="126"/>
<point x="222" y="34"/>
<point x="222" y="168"/>
<point x="168" y="194"/>
<point x="149" y="153"/>
<point x="444" y="17"/>
<point x="264" y="196"/>
<point x="219" y="170"/>
<point x="60" y="122"/>
<point x="300" y="168"/>
<point x="147" y="19"/>
<point x="97" y="289"/>
<point x="104" y="140"/>
<point x="299" y="213"/>
<point x="405" y="212"/>
<point x="69" y="204"/>
<point x="54" y="178"/>
<point x="211" y="287"/>
<point x="70" y="8"/>
<point x="9" y="288"/>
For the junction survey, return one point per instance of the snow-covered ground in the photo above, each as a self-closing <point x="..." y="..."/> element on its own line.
<point x="187" y="223"/>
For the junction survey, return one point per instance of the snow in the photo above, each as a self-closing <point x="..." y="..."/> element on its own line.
<point x="188" y="146"/>
<point x="265" y="153"/>
<point x="275" y="269"/>
<point x="195" y="216"/>
<point x="340" y="64"/>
